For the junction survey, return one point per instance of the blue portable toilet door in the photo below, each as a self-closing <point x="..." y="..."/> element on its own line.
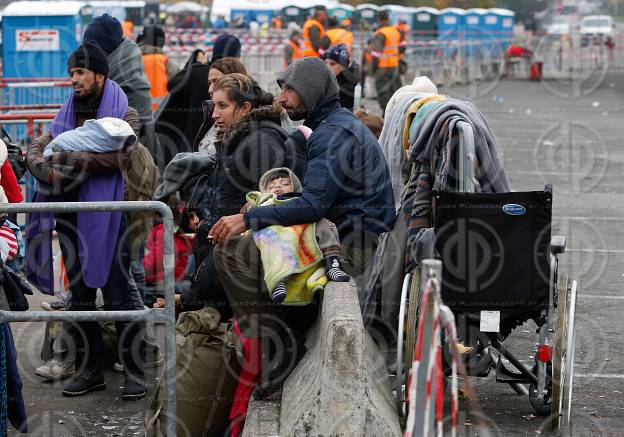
<point x="39" y="46"/>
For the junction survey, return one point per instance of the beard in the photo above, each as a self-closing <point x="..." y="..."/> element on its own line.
<point x="89" y="101"/>
<point x="297" y="114"/>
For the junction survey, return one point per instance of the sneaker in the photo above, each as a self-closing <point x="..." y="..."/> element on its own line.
<point x="53" y="306"/>
<point x="118" y="367"/>
<point x="89" y="380"/>
<point x="55" y="368"/>
<point x="134" y="389"/>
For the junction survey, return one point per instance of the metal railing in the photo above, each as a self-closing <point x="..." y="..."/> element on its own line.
<point x="164" y="316"/>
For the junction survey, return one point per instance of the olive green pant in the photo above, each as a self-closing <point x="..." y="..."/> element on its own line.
<point x="239" y="267"/>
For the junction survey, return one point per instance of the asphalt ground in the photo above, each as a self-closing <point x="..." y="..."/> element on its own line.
<point x="567" y="134"/>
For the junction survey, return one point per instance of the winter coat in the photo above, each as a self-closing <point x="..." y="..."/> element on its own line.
<point x="346" y="180"/>
<point x="252" y="147"/>
<point x="181" y="117"/>
<point x="347" y="80"/>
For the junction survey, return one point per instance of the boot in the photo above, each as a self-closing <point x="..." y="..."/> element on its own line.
<point x="91" y="374"/>
<point x="280" y="355"/>
<point x="129" y="338"/>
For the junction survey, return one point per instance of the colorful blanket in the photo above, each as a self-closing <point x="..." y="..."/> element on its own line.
<point x="290" y="254"/>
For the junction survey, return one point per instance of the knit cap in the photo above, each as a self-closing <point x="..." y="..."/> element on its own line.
<point x="312" y="79"/>
<point x="339" y="54"/>
<point x="106" y="31"/>
<point x="90" y="56"/>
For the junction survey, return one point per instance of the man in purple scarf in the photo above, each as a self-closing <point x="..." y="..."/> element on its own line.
<point x="94" y="245"/>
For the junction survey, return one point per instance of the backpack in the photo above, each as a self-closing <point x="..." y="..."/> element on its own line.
<point x="208" y="356"/>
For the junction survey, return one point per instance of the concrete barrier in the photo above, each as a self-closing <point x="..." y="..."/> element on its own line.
<point x="340" y="387"/>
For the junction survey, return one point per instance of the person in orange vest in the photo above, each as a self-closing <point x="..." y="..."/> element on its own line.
<point x="276" y="23"/>
<point x="293" y="50"/>
<point x="340" y="34"/>
<point x="386" y="59"/>
<point x="315" y="42"/>
<point x="156" y="64"/>
<point x="128" y="28"/>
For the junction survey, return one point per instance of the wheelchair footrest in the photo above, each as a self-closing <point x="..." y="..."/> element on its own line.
<point x="505" y="375"/>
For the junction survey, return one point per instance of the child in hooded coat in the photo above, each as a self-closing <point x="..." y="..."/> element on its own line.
<point x="285" y="184"/>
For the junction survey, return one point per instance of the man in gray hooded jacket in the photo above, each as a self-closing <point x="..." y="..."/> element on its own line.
<point x="346" y="180"/>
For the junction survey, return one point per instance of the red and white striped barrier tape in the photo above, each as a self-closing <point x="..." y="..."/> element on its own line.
<point x="439" y="316"/>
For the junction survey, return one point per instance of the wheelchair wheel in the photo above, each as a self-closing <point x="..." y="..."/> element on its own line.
<point x="411" y="323"/>
<point x="559" y="358"/>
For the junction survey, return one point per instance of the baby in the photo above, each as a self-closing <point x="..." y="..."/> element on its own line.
<point x="284" y="183"/>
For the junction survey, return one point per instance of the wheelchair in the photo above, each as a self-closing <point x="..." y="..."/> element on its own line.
<point x="500" y="269"/>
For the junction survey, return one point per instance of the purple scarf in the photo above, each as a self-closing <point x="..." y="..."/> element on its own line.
<point x="97" y="231"/>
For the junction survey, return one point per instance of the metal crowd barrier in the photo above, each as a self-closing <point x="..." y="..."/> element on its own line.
<point x="164" y="316"/>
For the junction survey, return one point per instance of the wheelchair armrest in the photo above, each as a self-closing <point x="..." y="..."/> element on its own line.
<point x="557" y="244"/>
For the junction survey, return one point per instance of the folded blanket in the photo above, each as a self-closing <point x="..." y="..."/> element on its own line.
<point x="433" y="152"/>
<point x="290" y="254"/>
<point x="99" y="136"/>
<point x="391" y="139"/>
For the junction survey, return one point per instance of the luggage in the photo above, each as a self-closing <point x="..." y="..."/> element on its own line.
<point x="207" y="369"/>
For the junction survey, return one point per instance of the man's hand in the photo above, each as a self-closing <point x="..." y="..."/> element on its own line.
<point x="226" y="227"/>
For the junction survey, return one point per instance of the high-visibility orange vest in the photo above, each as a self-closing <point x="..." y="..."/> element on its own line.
<point x="307" y="42"/>
<point x="341" y="36"/>
<point x="128" y="28"/>
<point x="155" y="65"/>
<point x="390" y="56"/>
<point x="297" y="52"/>
<point x="276" y="23"/>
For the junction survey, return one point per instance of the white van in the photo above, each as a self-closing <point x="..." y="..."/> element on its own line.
<point x="597" y="29"/>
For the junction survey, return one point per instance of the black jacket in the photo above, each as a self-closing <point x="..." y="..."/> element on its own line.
<point x="347" y="80"/>
<point x="252" y="147"/>
<point x="180" y="120"/>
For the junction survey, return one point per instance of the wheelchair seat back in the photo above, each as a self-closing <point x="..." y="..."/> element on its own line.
<point x="494" y="249"/>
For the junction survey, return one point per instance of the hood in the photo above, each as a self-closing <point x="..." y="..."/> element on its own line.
<point x="312" y="79"/>
<point x="251" y="121"/>
<point x="297" y="188"/>
<point x="421" y="84"/>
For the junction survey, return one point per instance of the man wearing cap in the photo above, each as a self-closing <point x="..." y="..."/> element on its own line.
<point x="125" y="62"/>
<point x="346" y="180"/>
<point x="94" y="245"/>
<point x="347" y="73"/>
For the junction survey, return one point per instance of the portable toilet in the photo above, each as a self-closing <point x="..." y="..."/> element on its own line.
<point x="425" y="23"/>
<point x="135" y="11"/>
<point x="38" y="37"/>
<point x="505" y="26"/>
<point x="366" y="15"/>
<point x="96" y="8"/>
<point x="397" y="12"/>
<point x="474" y="29"/>
<point x="341" y="11"/>
<point x="451" y="29"/>
<point x="293" y="13"/>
